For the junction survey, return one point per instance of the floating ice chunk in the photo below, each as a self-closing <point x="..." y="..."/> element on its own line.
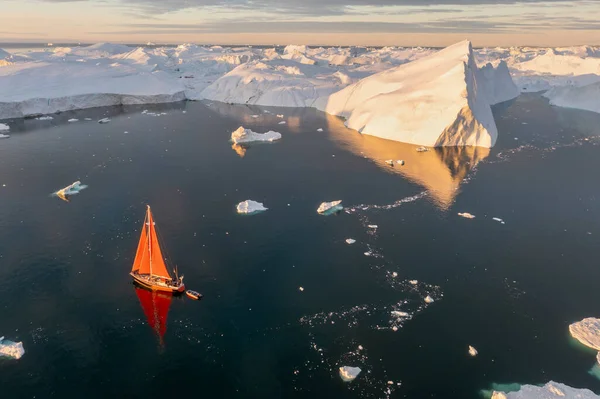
<point x="71" y="189"/>
<point x="394" y="328"/>
<point x="587" y="331"/>
<point x="397" y="313"/>
<point x="390" y="162"/>
<point x="329" y="206"/>
<point x="319" y="130"/>
<point x="360" y="347"/>
<point x="348" y="373"/>
<point x="498" y="220"/>
<point x="254" y="116"/>
<point x="87" y="119"/>
<point x="422" y="149"/>
<point x="550" y="390"/>
<point x="242" y="135"/>
<point x="145" y="111"/>
<point x="3" y="127"/>
<point x="413" y="282"/>
<point x="104" y="120"/>
<point x="394" y="274"/>
<point x="466" y="215"/>
<point x="280" y="116"/>
<point x="250" y="207"/>
<point x="350" y="241"/>
<point x="11" y="349"/>
<point x="400" y="162"/>
<point x="472" y="351"/>
<point x="300" y="289"/>
<point x="598" y="358"/>
<point x="4" y="136"/>
<point x="44" y="118"/>
<point x="282" y="123"/>
<point x="368" y="253"/>
<point x="428" y="299"/>
<point x="73" y="120"/>
<point x="372" y="226"/>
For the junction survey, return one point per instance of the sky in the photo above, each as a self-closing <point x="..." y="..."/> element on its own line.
<point x="312" y="22"/>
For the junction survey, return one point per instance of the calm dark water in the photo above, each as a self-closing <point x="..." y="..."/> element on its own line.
<point x="510" y="290"/>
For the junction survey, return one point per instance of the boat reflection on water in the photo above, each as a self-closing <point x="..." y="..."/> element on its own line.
<point x="156" y="306"/>
<point x="439" y="170"/>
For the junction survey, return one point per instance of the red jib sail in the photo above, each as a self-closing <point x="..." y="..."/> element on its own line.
<point x="156" y="308"/>
<point x="149" y="258"/>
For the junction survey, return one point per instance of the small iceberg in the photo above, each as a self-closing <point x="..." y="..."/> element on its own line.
<point x="44" y="118"/>
<point x="466" y="215"/>
<point x="422" y="149"/>
<point x="11" y="349"/>
<point x="329" y="207"/>
<point x="73" y="120"/>
<point x="104" y="120"/>
<point x="372" y="226"/>
<point x="350" y="241"/>
<point x="4" y="127"/>
<point x="587" y="331"/>
<point x="250" y="207"/>
<point x="348" y="374"/>
<point x="4" y="136"/>
<point x="242" y="135"/>
<point x="319" y="130"/>
<point x="472" y="351"/>
<point x="498" y="220"/>
<point x="72" y="189"/>
<point x="390" y="162"/>
<point x="428" y="299"/>
<point x="413" y="282"/>
<point x="399" y="314"/>
<point x="282" y="123"/>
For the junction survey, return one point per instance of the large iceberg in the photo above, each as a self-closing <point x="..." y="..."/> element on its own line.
<point x="11" y="349"/>
<point x="581" y="97"/>
<point x="242" y="135"/>
<point x="587" y="331"/>
<point x="438" y="100"/>
<point x="552" y="390"/>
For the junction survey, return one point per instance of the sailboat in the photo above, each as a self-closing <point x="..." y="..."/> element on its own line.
<point x="149" y="268"/>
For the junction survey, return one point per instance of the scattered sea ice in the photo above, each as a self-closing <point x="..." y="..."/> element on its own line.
<point x="466" y="215"/>
<point x="350" y="241"/>
<point x="250" y="207"/>
<point x="397" y="313"/>
<point x="3" y="127"/>
<point x="472" y="351"/>
<point x="348" y="373"/>
<point x="11" y="349"/>
<point x="104" y="120"/>
<point x="428" y="299"/>
<point x="329" y="206"/>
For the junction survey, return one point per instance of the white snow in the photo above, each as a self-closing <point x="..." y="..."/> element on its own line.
<point x="587" y="331"/>
<point x="249" y="207"/>
<point x="4" y="127"/>
<point x="242" y="135"/>
<point x="552" y="390"/>
<point x="472" y="351"/>
<point x="438" y="100"/>
<point x="11" y="349"/>
<point x="348" y="373"/>
<point x="327" y="206"/>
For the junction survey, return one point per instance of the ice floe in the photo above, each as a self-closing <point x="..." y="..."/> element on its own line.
<point x="104" y="120"/>
<point x="242" y="135"/>
<point x="250" y="207"/>
<point x="472" y="351"/>
<point x="329" y="207"/>
<point x="466" y="215"/>
<point x="348" y="373"/>
<point x="4" y="136"/>
<point x="4" y="127"/>
<point x="550" y="390"/>
<point x="11" y="349"/>
<point x="587" y="331"/>
<point x="72" y="189"/>
<point x="350" y="241"/>
<point x="428" y="299"/>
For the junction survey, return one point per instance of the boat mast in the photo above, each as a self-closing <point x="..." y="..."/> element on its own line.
<point x="149" y="218"/>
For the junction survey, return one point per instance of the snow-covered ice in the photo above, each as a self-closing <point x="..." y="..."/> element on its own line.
<point x="250" y="207"/>
<point x="11" y="349"/>
<point x="348" y="373"/>
<point x="472" y="351"/>
<point x="587" y="331"/>
<point x="242" y="135"/>
<point x="328" y="206"/>
<point x="552" y="390"/>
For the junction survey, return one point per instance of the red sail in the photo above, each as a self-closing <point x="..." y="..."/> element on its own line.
<point x="158" y="266"/>
<point x="156" y="307"/>
<point x="149" y="258"/>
